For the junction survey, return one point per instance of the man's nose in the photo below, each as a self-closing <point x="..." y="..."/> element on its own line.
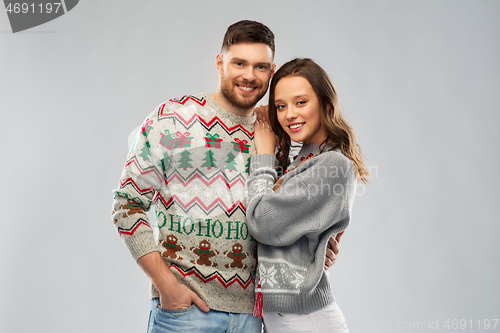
<point x="249" y="74"/>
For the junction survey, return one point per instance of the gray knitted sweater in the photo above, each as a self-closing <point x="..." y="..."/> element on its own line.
<point x="294" y="223"/>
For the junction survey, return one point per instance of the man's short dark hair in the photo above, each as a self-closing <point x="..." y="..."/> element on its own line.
<point x="247" y="31"/>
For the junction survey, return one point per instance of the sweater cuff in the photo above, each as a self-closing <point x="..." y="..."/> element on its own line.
<point x="140" y="245"/>
<point x="263" y="161"/>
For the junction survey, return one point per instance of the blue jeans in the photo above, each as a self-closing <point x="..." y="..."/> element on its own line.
<point x="192" y="319"/>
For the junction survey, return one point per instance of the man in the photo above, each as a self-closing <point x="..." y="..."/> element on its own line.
<point x="190" y="161"/>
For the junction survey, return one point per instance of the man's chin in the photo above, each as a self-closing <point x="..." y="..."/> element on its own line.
<point x="245" y="102"/>
<point x="242" y="100"/>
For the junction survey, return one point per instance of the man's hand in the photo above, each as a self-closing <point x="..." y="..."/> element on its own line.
<point x="176" y="296"/>
<point x="173" y="294"/>
<point x="264" y="139"/>
<point x="331" y="254"/>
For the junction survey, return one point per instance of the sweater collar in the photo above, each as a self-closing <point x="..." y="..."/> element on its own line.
<point x="304" y="152"/>
<point x="224" y="114"/>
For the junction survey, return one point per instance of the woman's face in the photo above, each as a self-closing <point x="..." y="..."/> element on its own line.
<point x="298" y="110"/>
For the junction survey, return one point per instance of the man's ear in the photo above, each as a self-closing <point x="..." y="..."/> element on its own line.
<point x="273" y="70"/>
<point x="219" y="63"/>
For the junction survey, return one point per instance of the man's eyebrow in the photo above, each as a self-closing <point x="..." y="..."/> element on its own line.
<point x="244" y="61"/>
<point x="238" y="60"/>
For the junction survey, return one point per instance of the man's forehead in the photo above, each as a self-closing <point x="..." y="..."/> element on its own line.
<point x="250" y="51"/>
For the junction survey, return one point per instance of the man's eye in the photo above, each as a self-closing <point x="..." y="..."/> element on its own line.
<point x="262" y="67"/>
<point x="238" y="64"/>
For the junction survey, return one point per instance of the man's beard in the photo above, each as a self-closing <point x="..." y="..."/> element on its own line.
<point x="228" y="92"/>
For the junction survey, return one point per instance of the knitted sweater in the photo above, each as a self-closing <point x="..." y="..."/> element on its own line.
<point x="189" y="162"/>
<point x="294" y="223"/>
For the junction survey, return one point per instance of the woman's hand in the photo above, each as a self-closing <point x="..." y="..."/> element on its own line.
<point x="264" y="137"/>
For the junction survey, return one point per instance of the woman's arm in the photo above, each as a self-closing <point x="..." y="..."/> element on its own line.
<point x="315" y="196"/>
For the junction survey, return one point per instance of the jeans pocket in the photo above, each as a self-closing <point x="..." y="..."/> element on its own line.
<point x="174" y="321"/>
<point x="176" y="311"/>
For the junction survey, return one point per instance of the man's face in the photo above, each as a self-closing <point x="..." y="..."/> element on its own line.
<point x="245" y="71"/>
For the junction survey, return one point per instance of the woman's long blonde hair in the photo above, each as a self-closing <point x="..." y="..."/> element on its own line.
<point x="340" y="133"/>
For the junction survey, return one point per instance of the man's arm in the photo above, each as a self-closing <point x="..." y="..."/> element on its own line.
<point x="140" y="181"/>
<point x="173" y="294"/>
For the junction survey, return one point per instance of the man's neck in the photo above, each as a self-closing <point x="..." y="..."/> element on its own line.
<point x="219" y="98"/>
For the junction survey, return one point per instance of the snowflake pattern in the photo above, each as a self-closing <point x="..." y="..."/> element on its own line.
<point x="187" y="110"/>
<point x="203" y="112"/>
<point x="294" y="278"/>
<point x="238" y="192"/>
<point x="185" y="194"/>
<point x="267" y="276"/>
<point x="281" y="274"/>
<point x="196" y="188"/>
<point x="219" y="189"/>
<point x="207" y="194"/>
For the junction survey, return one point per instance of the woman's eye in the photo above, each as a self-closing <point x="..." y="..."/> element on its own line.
<point x="301" y="103"/>
<point x="280" y="107"/>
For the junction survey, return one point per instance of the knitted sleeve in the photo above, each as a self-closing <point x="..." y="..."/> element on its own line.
<point x="141" y="179"/>
<point x="315" y="196"/>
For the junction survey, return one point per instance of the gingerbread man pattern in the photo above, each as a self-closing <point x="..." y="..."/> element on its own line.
<point x="172" y="247"/>
<point x="204" y="253"/>
<point x="237" y="255"/>
<point x="131" y="208"/>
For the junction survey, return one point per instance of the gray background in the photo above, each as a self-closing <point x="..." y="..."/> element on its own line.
<point x="418" y="80"/>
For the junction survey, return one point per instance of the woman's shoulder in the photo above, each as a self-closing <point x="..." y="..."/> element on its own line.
<point x="331" y="164"/>
<point x="333" y="157"/>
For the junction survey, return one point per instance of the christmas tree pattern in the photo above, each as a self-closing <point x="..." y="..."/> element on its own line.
<point x="185" y="159"/>
<point x="247" y="166"/>
<point x="145" y="152"/>
<point x="165" y="162"/>
<point x="231" y="163"/>
<point x="209" y="160"/>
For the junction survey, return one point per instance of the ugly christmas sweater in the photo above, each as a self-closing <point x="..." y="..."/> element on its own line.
<point x="293" y="224"/>
<point x="189" y="162"/>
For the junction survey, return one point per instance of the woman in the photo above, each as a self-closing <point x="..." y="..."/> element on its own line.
<point x="313" y="201"/>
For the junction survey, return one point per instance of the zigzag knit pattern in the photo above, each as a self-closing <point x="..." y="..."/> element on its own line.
<point x="190" y="161"/>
